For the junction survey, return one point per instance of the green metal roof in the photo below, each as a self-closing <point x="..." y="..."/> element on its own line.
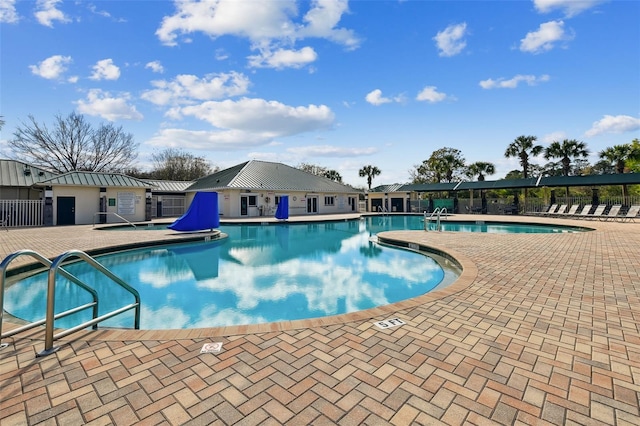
<point x="17" y="173"/>
<point x="257" y="175"/>
<point x="169" y="185"/>
<point x="396" y="187"/>
<point x="95" y="179"/>
<point x="537" y="182"/>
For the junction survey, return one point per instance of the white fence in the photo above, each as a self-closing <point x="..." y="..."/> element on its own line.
<point x="21" y="213"/>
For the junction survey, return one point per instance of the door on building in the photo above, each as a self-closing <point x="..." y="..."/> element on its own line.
<point x="376" y="205"/>
<point x="397" y="205"/>
<point x="66" y="210"/>
<point x="312" y="204"/>
<point x="352" y="203"/>
<point x="244" y="205"/>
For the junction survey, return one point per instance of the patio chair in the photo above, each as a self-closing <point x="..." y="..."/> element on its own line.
<point x="597" y="213"/>
<point x="571" y="212"/>
<point x="552" y="209"/>
<point x="631" y="215"/>
<point x="613" y="213"/>
<point x="560" y="211"/>
<point x="584" y="212"/>
<point x="4" y="223"/>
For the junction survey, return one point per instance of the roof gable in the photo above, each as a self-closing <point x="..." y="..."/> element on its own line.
<point x="95" y="179"/>
<point x="17" y="173"/>
<point x="256" y="175"/>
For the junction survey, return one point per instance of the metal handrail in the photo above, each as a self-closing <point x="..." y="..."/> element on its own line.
<point x="49" y="337"/>
<point x="46" y="262"/>
<point x="113" y="213"/>
<point x="55" y="267"/>
<point x="437" y="212"/>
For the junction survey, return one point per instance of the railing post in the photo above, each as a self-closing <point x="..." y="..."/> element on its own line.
<point x="50" y="315"/>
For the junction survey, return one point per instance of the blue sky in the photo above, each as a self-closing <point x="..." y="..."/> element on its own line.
<point x="334" y="83"/>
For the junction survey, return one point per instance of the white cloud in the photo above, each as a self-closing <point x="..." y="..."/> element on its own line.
<point x="375" y="98"/>
<point x="545" y="38"/>
<point x="105" y="70"/>
<point x="322" y="20"/>
<point x="155" y="66"/>
<point x="8" y="13"/>
<point x="513" y="82"/>
<point x="47" y="13"/>
<point x="570" y="7"/>
<point x="431" y="94"/>
<point x="271" y="26"/>
<point x="186" y="88"/>
<point x="207" y="140"/>
<point x="283" y="58"/>
<point x="258" y="116"/>
<point x="614" y="124"/>
<point x="102" y="104"/>
<point x="331" y="151"/>
<point x="450" y="41"/>
<point x="554" y="136"/>
<point x="51" y="68"/>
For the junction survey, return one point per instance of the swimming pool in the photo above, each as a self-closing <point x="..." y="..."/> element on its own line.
<point x="413" y="222"/>
<point x="258" y="274"/>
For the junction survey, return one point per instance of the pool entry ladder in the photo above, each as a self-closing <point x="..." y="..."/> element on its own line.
<point x="54" y="269"/>
<point x="437" y="213"/>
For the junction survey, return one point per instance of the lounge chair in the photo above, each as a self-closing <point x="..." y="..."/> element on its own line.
<point x="631" y="215"/>
<point x="552" y="209"/>
<point x="613" y="213"/>
<point x="597" y="213"/>
<point x="560" y="211"/>
<point x="584" y="212"/>
<point x="572" y="211"/>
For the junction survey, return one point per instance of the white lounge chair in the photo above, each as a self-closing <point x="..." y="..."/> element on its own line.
<point x="560" y="211"/>
<point x="613" y="212"/>
<point x="584" y="212"/>
<point x="597" y="213"/>
<point x="552" y="209"/>
<point x="572" y="211"/>
<point x="631" y="215"/>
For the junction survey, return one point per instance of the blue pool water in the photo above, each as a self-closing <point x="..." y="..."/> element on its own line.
<point x="259" y="274"/>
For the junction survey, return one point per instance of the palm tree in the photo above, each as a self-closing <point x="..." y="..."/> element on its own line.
<point x="565" y="151"/>
<point x="619" y="155"/>
<point x="369" y="172"/>
<point x="333" y="175"/>
<point x="479" y="168"/>
<point x="522" y="147"/>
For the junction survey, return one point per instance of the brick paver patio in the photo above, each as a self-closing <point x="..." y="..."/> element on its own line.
<point x="540" y="329"/>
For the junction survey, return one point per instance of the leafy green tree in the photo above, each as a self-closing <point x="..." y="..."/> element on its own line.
<point x="179" y="165"/>
<point x="566" y="150"/>
<point x="448" y="162"/>
<point x="480" y="169"/>
<point x="369" y="172"/>
<point x="523" y="147"/>
<point x="621" y="155"/>
<point x="314" y="169"/>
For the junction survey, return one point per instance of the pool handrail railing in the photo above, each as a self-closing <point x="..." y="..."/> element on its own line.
<point x="113" y="213"/>
<point x="54" y="269"/>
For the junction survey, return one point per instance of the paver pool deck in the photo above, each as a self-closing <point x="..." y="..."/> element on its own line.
<point x="539" y="329"/>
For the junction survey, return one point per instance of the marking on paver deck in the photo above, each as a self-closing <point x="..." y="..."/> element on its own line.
<point x="414" y="246"/>
<point x="393" y="322"/>
<point x="211" y="348"/>
<point x="3" y="345"/>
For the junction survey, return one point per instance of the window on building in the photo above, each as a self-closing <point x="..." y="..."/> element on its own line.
<point x="253" y="200"/>
<point x="329" y="201"/>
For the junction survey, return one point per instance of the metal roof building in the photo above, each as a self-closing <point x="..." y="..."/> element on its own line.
<point x="264" y="175"/>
